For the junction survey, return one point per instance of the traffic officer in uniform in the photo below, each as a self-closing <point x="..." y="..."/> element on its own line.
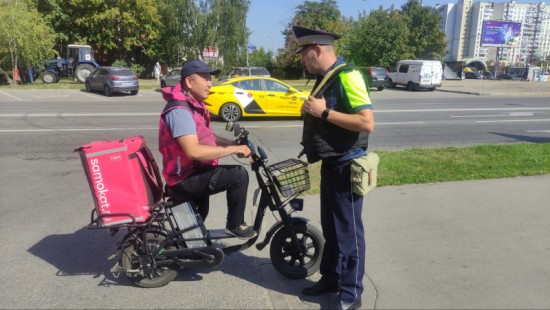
<point x="338" y="118"/>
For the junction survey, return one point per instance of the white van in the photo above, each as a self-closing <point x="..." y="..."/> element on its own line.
<point x="417" y="74"/>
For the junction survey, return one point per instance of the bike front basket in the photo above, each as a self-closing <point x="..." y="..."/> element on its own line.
<point x="291" y="176"/>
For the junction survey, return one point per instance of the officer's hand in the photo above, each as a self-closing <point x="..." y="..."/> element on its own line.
<point x="314" y="106"/>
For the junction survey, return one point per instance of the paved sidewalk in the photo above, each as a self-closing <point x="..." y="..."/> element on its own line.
<point x="473" y="244"/>
<point x="506" y="88"/>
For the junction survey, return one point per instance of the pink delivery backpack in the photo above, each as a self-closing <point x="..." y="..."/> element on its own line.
<point x="124" y="179"/>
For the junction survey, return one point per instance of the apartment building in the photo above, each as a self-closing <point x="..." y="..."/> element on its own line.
<point x="463" y="24"/>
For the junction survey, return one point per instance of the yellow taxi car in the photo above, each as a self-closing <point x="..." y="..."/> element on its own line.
<point x="254" y="96"/>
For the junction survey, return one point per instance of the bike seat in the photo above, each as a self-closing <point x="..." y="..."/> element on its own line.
<point x="176" y="196"/>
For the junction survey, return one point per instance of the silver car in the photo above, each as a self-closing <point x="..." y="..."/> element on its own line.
<point x="113" y="79"/>
<point x="170" y="80"/>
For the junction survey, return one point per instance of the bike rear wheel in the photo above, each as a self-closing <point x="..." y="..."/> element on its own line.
<point x="285" y="257"/>
<point x="140" y="267"/>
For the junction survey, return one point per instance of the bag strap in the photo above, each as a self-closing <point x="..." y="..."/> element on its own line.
<point x="176" y="103"/>
<point x="327" y="80"/>
<point x="148" y="163"/>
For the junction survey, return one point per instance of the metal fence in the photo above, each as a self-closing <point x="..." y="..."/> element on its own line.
<point x="452" y="70"/>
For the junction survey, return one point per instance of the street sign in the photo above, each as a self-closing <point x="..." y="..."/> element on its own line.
<point x="251" y="47"/>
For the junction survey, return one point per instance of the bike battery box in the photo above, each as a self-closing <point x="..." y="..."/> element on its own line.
<point x="186" y="218"/>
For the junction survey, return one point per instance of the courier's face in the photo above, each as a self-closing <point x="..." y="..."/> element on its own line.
<point x="198" y="85"/>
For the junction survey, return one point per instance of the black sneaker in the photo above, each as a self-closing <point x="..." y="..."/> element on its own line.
<point x="320" y="288"/>
<point x="242" y="231"/>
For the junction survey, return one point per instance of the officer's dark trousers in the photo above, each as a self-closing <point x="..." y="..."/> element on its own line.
<point x="212" y="180"/>
<point x="344" y="253"/>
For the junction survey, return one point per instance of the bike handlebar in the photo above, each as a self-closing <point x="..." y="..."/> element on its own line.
<point x="242" y="139"/>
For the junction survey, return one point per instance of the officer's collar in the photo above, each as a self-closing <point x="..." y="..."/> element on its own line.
<point x="339" y="60"/>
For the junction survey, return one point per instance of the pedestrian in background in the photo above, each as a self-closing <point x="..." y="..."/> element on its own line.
<point x="338" y="118"/>
<point x="156" y="71"/>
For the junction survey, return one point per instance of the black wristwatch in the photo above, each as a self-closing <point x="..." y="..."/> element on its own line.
<point x="325" y="114"/>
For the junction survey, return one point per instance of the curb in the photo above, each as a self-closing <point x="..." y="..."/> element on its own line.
<point x="463" y="92"/>
<point x="544" y="94"/>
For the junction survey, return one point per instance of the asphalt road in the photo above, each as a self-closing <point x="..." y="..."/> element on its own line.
<point x="403" y="119"/>
<point x="50" y="261"/>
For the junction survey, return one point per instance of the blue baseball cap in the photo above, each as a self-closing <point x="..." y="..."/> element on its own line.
<point x="196" y="66"/>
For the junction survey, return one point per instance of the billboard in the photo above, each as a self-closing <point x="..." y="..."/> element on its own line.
<point x="500" y="33"/>
<point x="209" y="53"/>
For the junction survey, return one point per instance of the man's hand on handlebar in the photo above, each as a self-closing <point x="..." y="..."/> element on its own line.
<point x="242" y="151"/>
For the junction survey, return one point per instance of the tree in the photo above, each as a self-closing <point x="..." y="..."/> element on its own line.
<point x="379" y="39"/>
<point x="323" y="15"/>
<point x="261" y="58"/>
<point x="25" y="38"/>
<point x="425" y="37"/>
<point x="229" y="30"/>
<point x="179" y="31"/>
<point x="190" y="27"/>
<point x="121" y="28"/>
<point x="118" y="29"/>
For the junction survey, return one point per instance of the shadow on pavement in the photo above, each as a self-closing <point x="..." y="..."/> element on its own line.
<point x="84" y="252"/>
<point x="532" y="139"/>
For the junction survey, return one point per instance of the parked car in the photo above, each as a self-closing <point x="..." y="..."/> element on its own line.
<point x="245" y="71"/>
<point x="254" y="96"/>
<point x="505" y="76"/>
<point x="377" y="77"/>
<point x="113" y="79"/>
<point x="472" y="75"/>
<point x="172" y="79"/>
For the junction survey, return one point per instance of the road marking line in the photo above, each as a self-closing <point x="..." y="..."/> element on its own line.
<point x="515" y="120"/>
<point x="72" y="129"/>
<point x="475" y="116"/>
<point x="522" y="114"/>
<point x="88" y="95"/>
<point x="11" y="96"/>
<point x="461" y="110"/>
<point x="401" y="123"/>
<point x="515" y="114"/>
<point x="276" y="126"/>
<point x="156" y="114"/>
<point x="51" y="96"/>
<point x="78" y="114"/>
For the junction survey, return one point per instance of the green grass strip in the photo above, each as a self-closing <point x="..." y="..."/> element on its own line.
<point x="418" y="166"/>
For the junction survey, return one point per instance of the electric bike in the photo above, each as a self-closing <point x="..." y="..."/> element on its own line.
<point x="174" y="236"/>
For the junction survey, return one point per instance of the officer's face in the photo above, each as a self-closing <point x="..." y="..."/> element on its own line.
<point x="310" y="56"/>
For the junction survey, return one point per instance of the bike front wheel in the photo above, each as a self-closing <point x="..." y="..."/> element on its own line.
<point x="286" y="257"/>
<point x="140" y="269"/>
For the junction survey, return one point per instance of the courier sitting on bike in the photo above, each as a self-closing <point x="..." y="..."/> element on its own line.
<point x="190" y="149"/>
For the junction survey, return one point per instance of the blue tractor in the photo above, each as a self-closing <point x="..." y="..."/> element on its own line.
<point x="78" y="64"/>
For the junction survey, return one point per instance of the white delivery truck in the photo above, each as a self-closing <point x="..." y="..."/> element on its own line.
<point x="417" y="74"/>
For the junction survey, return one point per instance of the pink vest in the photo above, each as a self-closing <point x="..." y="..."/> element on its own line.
<point x="176" y="165"/>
